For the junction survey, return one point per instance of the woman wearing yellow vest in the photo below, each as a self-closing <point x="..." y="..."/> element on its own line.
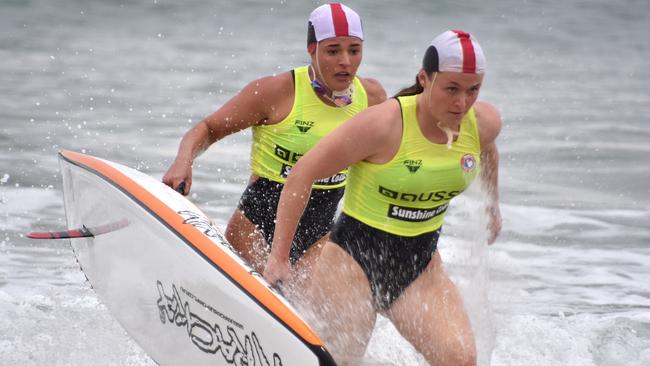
<point x="288" y="113"/>
<point x="408" y="157"/>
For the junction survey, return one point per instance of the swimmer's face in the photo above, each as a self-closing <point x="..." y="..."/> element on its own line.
<point x="338" y="60"/>
<point x="451" y="95"/>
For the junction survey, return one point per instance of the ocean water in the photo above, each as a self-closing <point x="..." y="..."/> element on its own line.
<point x="567" y="282"/>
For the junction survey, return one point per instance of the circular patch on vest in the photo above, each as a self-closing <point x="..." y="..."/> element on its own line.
<point x="468" y="162"/>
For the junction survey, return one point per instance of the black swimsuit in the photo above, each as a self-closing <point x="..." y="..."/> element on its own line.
<point x="259" y="203"/>
<point x="391" y="262"/>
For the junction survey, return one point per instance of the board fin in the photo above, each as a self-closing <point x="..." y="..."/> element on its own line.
<point x="83" y="232"/>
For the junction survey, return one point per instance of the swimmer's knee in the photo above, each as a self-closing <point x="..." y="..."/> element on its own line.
<point x="460" y="353"/>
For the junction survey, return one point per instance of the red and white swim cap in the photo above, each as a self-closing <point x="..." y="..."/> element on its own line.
<point x="333" y="20"/>
<point x="454" y="51"/>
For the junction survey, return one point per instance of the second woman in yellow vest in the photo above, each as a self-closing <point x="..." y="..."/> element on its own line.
<point x="289" y="113"/>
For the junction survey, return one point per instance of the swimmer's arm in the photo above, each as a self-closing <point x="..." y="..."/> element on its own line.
<point x="361" y="138"/>
<point x="256" y="103"/>
<point x="489" y="124"/>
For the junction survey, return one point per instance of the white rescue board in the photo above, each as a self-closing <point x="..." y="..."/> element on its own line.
<point x="171" y="278"/>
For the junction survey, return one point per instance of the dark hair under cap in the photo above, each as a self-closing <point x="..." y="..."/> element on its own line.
<point x="430" y="61"/>
<point x="311" y="33"/>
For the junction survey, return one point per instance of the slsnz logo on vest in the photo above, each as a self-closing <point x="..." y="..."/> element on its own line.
<point x="303" y="126"/>
<point x="468" y="162"/>
<point x="413" y="165"/>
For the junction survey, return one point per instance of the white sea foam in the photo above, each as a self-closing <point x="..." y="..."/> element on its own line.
<point x="583" y="340"/>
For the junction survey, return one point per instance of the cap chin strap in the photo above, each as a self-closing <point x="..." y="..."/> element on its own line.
<point x="340" y="98"/>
